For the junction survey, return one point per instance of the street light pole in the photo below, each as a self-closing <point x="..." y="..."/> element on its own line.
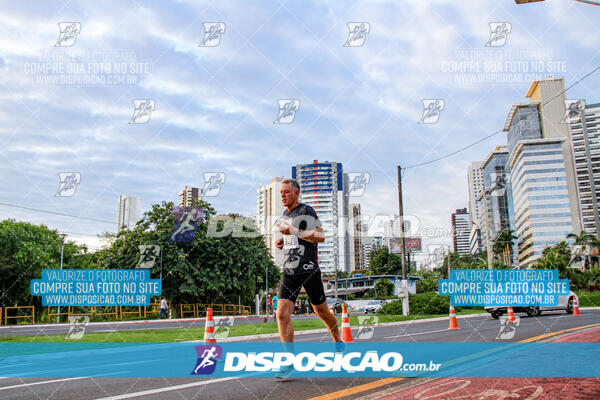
<point x="62" y="251"/>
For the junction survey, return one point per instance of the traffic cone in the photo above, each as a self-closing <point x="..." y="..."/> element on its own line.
<point x="576" y="312"/>
<point x="209" y="328"/>
<point x="452" y="322"/>
<point x="511" y="315"/>
<point x="346" y="332"/>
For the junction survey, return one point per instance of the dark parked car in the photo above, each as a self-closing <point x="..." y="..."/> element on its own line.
<point x="335" y="305"/>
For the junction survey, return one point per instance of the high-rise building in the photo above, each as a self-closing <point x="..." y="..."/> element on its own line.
<point x="498" y="197"/>
<point x="393" y="230"/>
<point x="190" y="196"/>
<point x="356" y="252"/>
<point x="543" y="183"/>
<point x="324" y="187"/>
<point x="370" y="243"/>
<point x="461" y="223"/>
<point x="128" y="212"/>
<point x="268" y="209"/>
<point x="476" y="188"/>
<point x="585" y="136"/>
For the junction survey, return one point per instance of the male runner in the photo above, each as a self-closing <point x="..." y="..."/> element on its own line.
<point x="302" y="231"/>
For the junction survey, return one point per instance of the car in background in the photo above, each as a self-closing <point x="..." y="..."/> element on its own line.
<point x="565" y="303"/>
<point x="335" y="305"/>
<point x="373" y="306"/>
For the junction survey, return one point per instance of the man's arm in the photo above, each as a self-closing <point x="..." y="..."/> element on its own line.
<point x="315" y="236"/>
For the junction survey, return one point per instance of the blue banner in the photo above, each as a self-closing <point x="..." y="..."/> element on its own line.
<point x="95" y="287"/>
<point x="501" y="288"/>
<point x="368" y="359"/>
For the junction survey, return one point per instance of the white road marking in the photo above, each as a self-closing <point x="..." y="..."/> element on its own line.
<point x="416" y="333"/>
<point x="166" y="389"/>
<point x="41" y="383"/>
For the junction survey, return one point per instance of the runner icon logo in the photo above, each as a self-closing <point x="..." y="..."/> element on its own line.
<point x="508" y="329"/>
<point x="207" y="359"/>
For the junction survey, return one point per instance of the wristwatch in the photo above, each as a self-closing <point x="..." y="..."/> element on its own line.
<point x="297" y="234"/>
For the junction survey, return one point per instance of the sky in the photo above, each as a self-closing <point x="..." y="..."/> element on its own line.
<point x="67" y="101"/>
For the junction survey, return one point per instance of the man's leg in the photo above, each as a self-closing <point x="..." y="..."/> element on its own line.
<point x="286" y="329"/>
<point x="329" y="319"/>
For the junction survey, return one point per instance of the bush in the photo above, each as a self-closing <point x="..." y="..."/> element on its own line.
<point x="428" y="303"/>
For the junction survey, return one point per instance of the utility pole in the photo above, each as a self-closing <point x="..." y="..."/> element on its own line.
<point x="488" y="243"/>
<point x="404" y="288"/>
<point x="62" y="251"/>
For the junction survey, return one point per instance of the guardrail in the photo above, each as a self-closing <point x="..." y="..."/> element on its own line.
<point x="191" y="310"/>
<point x="188" y="309"/>
<point x="128" y="311"/>
<point x="31" y="316"/>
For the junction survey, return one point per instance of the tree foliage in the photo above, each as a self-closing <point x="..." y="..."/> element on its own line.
<point x="384" y="288"/>
<point x="26" y="250"/>
<point x="209" y="269"/>
<point x="383" y="262"/>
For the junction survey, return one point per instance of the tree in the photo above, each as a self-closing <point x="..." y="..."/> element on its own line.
<point x="586" y="241"/>
<point x="429" y="280"/>
<point x="26" y="250"/>
<point x="555" y="257"/>
<point x="503" y="242"/>
<point x="210" y="268"/>
<point x="383" y="262"/>
<point x="384" y="288"/>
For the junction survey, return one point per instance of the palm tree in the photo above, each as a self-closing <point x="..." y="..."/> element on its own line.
<point x="504" y="241"/>
<point x="584" y="240"/>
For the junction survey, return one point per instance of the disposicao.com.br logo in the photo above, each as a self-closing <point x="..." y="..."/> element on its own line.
<point x="323" y="362"/>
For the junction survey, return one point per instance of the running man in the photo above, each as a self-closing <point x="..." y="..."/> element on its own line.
<point x="301" y="230"/>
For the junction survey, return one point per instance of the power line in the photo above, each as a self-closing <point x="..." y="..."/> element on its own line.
<point x="497" y="132"/>
<point x="56" y="213"/>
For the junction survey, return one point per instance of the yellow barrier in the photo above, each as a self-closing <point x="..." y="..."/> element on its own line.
<point x="223" y="309"/>
<point x="72" y="313"/>
<point x="154" y="309"/>
<point x="95" y="312"/>
<point x="122" y="313"/>
<point x="49" y="315"/>
<point x="189" y="309"/>
<point x="32" y="316"/>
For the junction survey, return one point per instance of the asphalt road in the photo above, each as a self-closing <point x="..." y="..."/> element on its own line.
<point x="473" y="329"/>
<point x="62" y="329"/>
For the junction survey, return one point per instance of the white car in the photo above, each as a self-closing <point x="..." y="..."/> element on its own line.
<point x="373" y="306"/>
<point x="564" y="303"/>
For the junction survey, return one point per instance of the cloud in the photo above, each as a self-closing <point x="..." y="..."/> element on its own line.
<point x="215" y="107"/>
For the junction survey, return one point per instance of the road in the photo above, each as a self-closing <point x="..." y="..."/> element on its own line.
<point x="62" y="329"/>
<point x="473" y="329"/>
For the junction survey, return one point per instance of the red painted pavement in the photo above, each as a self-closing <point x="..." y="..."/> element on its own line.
<point x="508" y="388"/>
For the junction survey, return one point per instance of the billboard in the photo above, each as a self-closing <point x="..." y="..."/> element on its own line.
<point x="412" y="245"/>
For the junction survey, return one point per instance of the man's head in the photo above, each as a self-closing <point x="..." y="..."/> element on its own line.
<point x="290" y="190"/>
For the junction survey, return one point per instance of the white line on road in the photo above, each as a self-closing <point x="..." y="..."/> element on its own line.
<point x="41" y="383"/>
<point x="166" y="389"/>
<point x="416" y="333"/>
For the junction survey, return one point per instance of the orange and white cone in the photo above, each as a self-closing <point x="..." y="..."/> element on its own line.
<point x="452" y="322"/>
<point x="346" y="332"/>
<point x="511" y="315"/>
<point x="576" y="312"/>
<point x="209" y="328"/>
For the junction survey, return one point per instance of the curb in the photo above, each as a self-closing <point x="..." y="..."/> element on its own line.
<point x="157" y="321"/>
<point x="325" y="330"/>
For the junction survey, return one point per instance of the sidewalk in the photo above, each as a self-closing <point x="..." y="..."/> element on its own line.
<point x="501" y="388"/>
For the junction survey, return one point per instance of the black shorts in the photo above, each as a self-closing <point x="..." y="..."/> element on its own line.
<point x="290" y="286"/>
